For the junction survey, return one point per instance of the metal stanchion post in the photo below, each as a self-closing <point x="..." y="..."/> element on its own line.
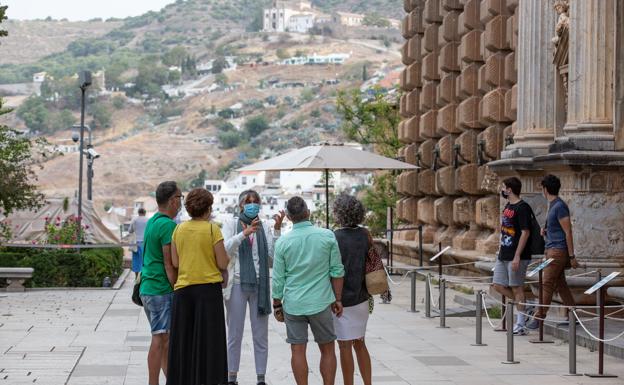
<point x="420" y="244"/>
<point x="413" y="293"/>
<point x="428" y="296"/>
<point x="572" y="343"/>
<point x="503" y="327"/>
<point x="442" y="303"/>
<point x="540" y="296"/>
<point x="601" y="334"/>
<point x="440" y="267"/>
<point x="479" y="319"/>
<point x="510" y="337"/>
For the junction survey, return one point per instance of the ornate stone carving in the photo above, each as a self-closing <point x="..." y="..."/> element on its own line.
<point x="561" y="41"/>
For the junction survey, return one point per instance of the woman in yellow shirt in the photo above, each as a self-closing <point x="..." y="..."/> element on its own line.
<point x="197" y="343"/>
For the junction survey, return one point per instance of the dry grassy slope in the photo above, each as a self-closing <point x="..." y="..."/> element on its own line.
<point x="30" y="40"/>
<point x="132" y="162"/>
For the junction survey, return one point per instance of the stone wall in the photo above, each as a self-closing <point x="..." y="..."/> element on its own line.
<point x="495" y="88"/>
<point x="459" y="107"/>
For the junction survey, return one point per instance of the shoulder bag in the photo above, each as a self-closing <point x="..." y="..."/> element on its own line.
<point x="376" y="279"/>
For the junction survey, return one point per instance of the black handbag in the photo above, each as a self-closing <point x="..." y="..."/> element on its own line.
<point x="136" y="291"/>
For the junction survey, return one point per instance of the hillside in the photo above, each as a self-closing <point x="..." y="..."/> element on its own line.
<point x="31" y="40"/>
<point x="149" y="126"/>
<point x="386" y="8"/>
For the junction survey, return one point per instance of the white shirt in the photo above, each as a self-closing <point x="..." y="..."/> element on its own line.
<point x="232" y="241"/>
<point x="137" y="226"/>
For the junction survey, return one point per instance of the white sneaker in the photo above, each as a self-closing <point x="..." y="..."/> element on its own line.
<point x="520" y="330"/>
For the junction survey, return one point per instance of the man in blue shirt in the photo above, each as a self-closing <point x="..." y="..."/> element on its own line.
<point x="559" y="246"/>
<point x="307" y="287"/>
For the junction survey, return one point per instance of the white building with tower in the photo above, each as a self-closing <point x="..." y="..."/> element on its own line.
<point x="289" y="16"/>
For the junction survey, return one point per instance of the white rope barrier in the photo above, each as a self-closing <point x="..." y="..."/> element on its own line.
<point x="567" y="307"/>
<point x="402" y="279"/>
<point x="592" y="335"/>
<point x="487" y="314"/>
<point x="433" y="302"/>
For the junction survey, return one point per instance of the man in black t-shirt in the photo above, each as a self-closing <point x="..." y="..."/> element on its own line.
<point x="514" y="256"/>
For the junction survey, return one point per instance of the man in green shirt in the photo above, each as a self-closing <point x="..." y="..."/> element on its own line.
<point x="307" y="283"/>
<point x="158" y="276"/>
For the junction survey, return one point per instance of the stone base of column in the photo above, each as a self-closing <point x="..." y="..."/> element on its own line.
<point x="525" y="152"/>
<point x="596" y="142"/>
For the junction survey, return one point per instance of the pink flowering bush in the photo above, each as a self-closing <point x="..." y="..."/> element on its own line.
<point x="59" y="232"/>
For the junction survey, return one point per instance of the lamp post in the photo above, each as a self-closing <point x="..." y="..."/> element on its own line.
<point x="91" y="155"/>
<point x="85" y="82"/>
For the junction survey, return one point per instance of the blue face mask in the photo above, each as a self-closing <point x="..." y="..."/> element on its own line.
<point x="251" y="210"/>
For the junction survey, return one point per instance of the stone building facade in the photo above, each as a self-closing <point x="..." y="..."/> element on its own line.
<point x="494" y="88"/>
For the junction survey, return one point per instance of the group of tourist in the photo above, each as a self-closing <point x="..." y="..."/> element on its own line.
<point x="514" y="254"/>
<point x="197" y="278"/>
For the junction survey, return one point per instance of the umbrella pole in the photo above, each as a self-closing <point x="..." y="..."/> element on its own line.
<point x="327" y="198"/>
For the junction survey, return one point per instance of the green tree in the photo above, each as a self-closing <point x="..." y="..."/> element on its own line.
<point x="377" y="199"/>
<point x="371" y="121"/>
<point x="61" y="120"/>
<point x="102" y="115"/>
<point x="229" y="139"/>
<point x="224" y="126"/>
<point x="219" y="64"/>
<point x="18" y="190"/>
<point x="375" y="122"/>
<point x="256" y="125"/>
<point x="150" y="78"/>
<point x="199" y="181"/>
<point x="34" y="113"/>
<point x="175" y="56"/>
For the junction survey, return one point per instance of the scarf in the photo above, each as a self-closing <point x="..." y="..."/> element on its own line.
<point x="249" y="280"/>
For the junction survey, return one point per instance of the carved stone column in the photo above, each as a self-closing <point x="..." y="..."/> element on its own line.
<point x="536" y="79"/>
<point x="591" y="75"/>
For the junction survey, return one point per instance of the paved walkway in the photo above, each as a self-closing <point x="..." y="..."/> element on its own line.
<point x="82" y="337"/>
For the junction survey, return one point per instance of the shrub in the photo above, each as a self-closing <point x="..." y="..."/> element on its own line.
<point x="66" y="268"/>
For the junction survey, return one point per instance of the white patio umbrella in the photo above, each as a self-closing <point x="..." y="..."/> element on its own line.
<point x="328" y="157"/>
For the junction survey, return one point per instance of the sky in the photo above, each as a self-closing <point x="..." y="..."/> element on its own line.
<point x="80" y="9"/>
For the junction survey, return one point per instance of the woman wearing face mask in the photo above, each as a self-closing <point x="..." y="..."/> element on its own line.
<point x="249" y="243"/>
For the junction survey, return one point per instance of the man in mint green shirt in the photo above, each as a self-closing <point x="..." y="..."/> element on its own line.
<point x="307" y="287"/>
<point x="158" y="276"/>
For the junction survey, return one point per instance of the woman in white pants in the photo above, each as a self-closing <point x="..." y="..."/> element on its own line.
<point x="249" y="242"/>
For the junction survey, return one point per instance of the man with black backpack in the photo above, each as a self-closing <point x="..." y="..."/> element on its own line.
<point x="514" y="254"/>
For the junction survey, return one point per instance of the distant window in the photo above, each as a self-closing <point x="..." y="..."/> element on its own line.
<point x="244" y="180"/>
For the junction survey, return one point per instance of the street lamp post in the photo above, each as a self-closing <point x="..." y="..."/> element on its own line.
<point x="91" y="155"/>
<point x="85" y="82"/>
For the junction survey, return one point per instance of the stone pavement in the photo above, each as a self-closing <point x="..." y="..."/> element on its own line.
<point x="82" y="337"/>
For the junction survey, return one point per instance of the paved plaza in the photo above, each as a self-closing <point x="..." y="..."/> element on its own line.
<point x="82" y="337"/>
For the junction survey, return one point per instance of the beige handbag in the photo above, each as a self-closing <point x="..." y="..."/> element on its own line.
<point x="376" y="279"/>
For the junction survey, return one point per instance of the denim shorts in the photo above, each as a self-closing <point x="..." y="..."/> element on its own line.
<point x="322" y="325"/>
<point x="505" y="276"/>
<point x="158" y="311"/>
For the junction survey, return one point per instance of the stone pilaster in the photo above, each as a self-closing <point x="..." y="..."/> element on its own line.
<point x="536" y="79"/>
<point x="591" y="75"/>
